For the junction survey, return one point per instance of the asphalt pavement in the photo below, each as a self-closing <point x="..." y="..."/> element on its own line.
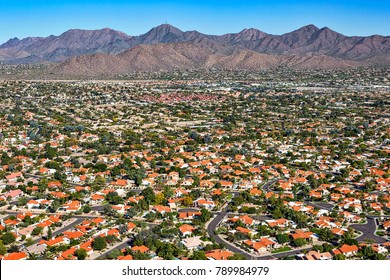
<point x="63" y="229"/>
<point x="368" y="231"/>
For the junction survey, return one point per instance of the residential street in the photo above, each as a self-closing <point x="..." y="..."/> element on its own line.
<point x="63" y="229"/>
<point x="368" y="231"/>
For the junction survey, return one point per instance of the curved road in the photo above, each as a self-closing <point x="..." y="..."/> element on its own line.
<point x="213" y="225"/>
<point x="222" y="214"/>
<point x="269" y="184"/>
<point x="368" y="229"/>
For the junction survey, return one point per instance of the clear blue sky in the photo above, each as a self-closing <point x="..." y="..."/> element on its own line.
<point x="42" y="18"/>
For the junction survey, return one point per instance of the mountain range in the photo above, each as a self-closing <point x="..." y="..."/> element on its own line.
<point x="166" y="47"/>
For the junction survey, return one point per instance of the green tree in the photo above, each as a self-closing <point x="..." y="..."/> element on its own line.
<point x="198" y="255"/>
<point x="237" y="200"/>
<point x="277" y="213"/>
<point x="159" y="198"/>
<point x="99" y="183"/>
<point x="236" y="256"/>
<point x="149" y="195"/>
<point x="263" y="230"/>
<point x="8" y="238"/>
<point x="299" y="242"/>
<point x="205" y="215"/>
<point x="37" y="231"/>
<point x="51" y="152"/>
<point x="187" y="201"/>
<point x="3" y="249"/>
<point x="29" y="241"/>
<point x="87" y="208"/>
<point x="81" y="254"/>
<point x="101" y="167"/>
<point x="49" y="233"/>
<point x="282" y="238"/>
<point x="99" y="243"/>
<point x="114" y="254"/>
<point x="111" y="239"/>
<point x="339" y="257"/>
<point x="22" y="201"/>
<point x="13" y="248"/>
<point x="367" y="253"/>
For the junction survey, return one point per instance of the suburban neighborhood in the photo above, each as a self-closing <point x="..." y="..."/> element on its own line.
<point x="197" y="165"/>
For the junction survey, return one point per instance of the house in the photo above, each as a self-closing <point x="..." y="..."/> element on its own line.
<point x="135" y="199"/>
<point x="98" y="221"/>
<point x="173" y="202"/>
<point x="54" y="184"/>
<point x="346" y="250"/>
<point x="97" y="199"/>
<point x="32" y="204"/>
<point x="13" y="177"/>
<point x="243" y="230"/>
<point x="114" y="232"/>
<point x="73" y="234"/>
<point x="120" y="208"/>
<point x="195" y="242"/>
<point x="72" y="206"/>
<point x="17" y="256"/>
<point x="120" y="183"/>
<point x="131" y="226"/>
<point x="87" y="246"/>
<point x="188" y="215"/>
<point x="261" y="245"/>
<point x="68" y="254"/>
<point x="27" y="231"/>
<point x="314" y="255"/>
<point x="255" y="192"/>
<point x="203" y="203"/>
<point x="13" y="194"/>
<point x="299" y="234"/>
<point x="247" y="220"/>
<point x="206" y="184"/>
<point x="188" y="182"/>
<point x="218" y="254"/>
<point x="161" y="209"/>
<point x="226" y="184"/>
<point x="180" y="192"/>
<point x="339" y="231"/>
<point x="281" y="223"/>
<point x="125" y="258"/>
<point x="386" y="224"/>
<point x="142" y="248"/>
<point x="36" y="248"/>
<point x="55" y="241"/>
<point x="186" y="229"/>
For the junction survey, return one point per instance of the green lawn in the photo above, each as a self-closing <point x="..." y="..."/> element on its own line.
<point x="280" y="250"/>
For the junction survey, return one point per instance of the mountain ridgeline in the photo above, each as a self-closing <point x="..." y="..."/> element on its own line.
<point x="91" y="52"/>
